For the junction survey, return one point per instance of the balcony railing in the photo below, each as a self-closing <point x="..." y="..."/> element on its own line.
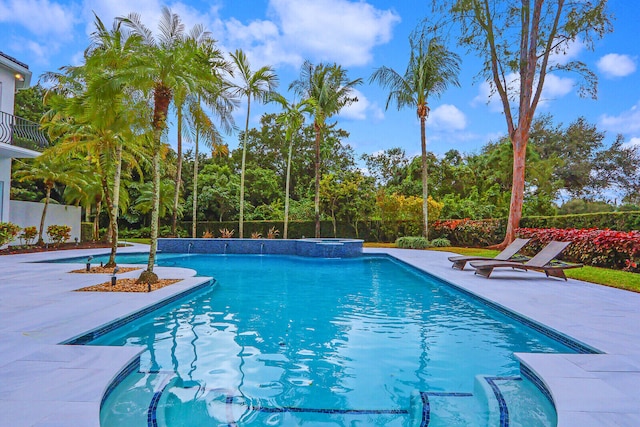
<point x="21" y="132"/>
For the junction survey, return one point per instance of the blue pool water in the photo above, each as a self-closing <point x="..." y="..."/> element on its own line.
<point x="290" y="341"/>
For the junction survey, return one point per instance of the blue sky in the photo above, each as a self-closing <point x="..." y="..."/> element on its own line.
<point x="361" y="36"/>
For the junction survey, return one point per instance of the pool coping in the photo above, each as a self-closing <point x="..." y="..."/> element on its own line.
<point x="46" y="384"/>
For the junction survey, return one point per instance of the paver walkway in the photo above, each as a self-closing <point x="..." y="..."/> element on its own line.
<point x="46" y="384"/>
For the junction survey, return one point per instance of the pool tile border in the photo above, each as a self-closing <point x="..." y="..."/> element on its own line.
<point x="89" y="336"/>
<point x="572" y="343"/>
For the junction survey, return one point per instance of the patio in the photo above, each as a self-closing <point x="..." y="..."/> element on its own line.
<point x="46" y="384"/>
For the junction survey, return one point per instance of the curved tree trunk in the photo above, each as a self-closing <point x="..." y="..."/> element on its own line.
<point x="178" y="180"/>
<point x="286" y="192"/>
<point x="425" y="190"/>
<point x="317" y="170"/>
<point x="148" y="276"/>
<point x="195" y="190"/>
<point x="44" y="215"/>
<point x="113" y="217"/>
<point x="162" y="99"/>
<point x="519" y="143"/>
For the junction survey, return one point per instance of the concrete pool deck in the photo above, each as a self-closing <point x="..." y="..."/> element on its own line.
<point x="46" y="384"/>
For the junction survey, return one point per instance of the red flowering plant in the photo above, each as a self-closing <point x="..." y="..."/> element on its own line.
<point x="605" y="248"/>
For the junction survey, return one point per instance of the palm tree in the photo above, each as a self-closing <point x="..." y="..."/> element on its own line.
<point x="50" y="170"/>
<point x="169" y="61"/>
<point x="93" y="113"/>
<point x="189" y="104"/>
<point x="292" y="118"/>
<point x="430" y="70"/>
<point x="257" y="85"/>
<point x="329" y="90"/>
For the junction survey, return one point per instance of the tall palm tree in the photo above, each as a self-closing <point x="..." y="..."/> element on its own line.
<point x="189" y="111"/>
<point x="93" y="113"/>
<point x="292" y="118"/>
<point x="257" y="85"/>
<point x="170" y="60"/>
<point x="329" y="90"/>
<point x="431" y="69"/>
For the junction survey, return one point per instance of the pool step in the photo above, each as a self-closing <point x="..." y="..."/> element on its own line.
<point x="495" y="401"/>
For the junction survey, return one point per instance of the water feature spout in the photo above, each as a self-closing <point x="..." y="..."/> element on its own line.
<point x="261" y="248"/>
<point x="189" y="248"/>
<point x="225" y="248"/>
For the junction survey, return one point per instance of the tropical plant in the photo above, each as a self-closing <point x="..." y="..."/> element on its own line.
<point x="328" y="90"/>
<point x="520" y="44"/>
<point x="257" y="85"/>
<point x="29" y="234"/>
<point x="8" y="231"/>
<point x="273" y="233"/>
<point x="49" y="170"/>
<point x="431" y="69"/>
<point x="226" y="234"/>
<point x="58" y="234"/>
<point x="166" y="62"/>
<point x="292" y="118"/>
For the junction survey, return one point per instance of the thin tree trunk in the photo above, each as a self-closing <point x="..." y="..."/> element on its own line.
<point x="149" y="276"/>
<point x="44" y="214"/>
<point x="195" y="190"/>
<point x="517" y="186"/>
<point x="425" y="176"/>
<point x="244" y="160"/>
<point x="286" y="191"/>
<point x="96" y="221"/>
<point x="176" y="195"/>
<point x="113" y="217"/>
<point x="317" y="169"/>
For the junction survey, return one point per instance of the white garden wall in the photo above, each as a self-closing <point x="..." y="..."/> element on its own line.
<point x="26" y="214"/>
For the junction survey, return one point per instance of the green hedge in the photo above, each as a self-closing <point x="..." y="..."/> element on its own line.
<point x="86" y="231"/>
<point x="620" y="221"/>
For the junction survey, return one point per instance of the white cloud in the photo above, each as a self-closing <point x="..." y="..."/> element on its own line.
<point x="633" y="142"/>
<point x="568" y="52"/>
<point x="627" y="121"/>
<point x="447" y="117"/>
<point x="554" y="87"/>
<point x="361" y="109"/>
<point x="616" y="65"/>
<point x="40" y="17"/>
<point x="333" y="30"/>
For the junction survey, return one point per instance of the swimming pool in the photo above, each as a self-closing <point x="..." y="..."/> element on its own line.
<point x="289" y="341"/>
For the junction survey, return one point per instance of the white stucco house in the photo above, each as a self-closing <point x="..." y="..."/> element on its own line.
<point x="20" y="138"/>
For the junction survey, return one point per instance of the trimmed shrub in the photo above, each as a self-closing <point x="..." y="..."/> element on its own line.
<point x="59" y="234"/>
<point x="29" y="234"/>
<point x="602" y="248"/>
<point x="8" y="232"/>
<point x="410" y="242"/>
<point x="621" y="221"/>
<point x="440" y="242"/>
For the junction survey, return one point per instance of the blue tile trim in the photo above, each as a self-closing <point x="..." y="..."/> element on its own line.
<point x="88" y="337"/>
<point x="330" y="411"/>
<point x="133" y="366"/>
<point x="502" y="404"/>
<point x="573" y="344"/>
<point x="426" y="409"/>
<point x="426" y="406"/>
<point x="531" y="376"/>
<point x="152" y="413"/>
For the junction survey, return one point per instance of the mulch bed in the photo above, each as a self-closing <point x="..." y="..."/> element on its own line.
<point x="128" y="285"/>
<point x="105" y="270"/>
<point x="12" y="250"/>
